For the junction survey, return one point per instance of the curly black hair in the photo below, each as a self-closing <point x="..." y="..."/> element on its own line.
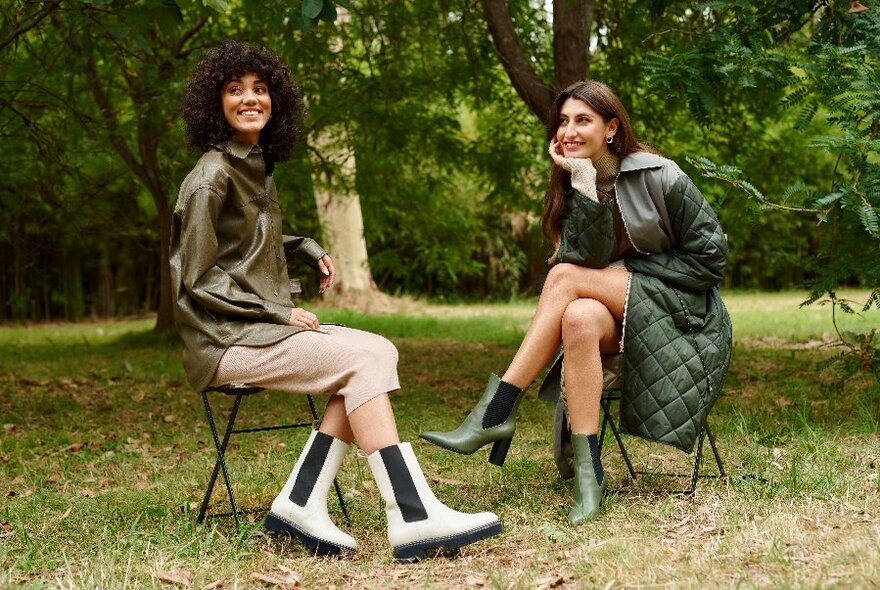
<point x="202" y="107"/>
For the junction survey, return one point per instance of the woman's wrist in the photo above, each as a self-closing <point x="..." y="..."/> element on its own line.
<point x="583" y="177"/>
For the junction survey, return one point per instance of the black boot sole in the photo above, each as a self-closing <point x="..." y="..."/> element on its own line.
<point x="319" y="546"/>
<point x="413" y="552"/>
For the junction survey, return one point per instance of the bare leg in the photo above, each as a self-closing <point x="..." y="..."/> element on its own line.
<point x="588" y="330"/>
<point x="335" y="422"/>
<point x="371" y="424"/>
<point x="565" y="283"/>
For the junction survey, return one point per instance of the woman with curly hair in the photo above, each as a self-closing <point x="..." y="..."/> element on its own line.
<point x="638" y="255"/>
<point x="238" y="324"/>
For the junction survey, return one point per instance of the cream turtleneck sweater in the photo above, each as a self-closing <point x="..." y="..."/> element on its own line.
<point x="607" y="169"/>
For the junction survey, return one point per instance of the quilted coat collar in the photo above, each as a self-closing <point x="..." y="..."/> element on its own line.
<point x="641" y="161"/>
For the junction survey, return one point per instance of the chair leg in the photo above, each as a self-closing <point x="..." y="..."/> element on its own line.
<point x="220" y="464"/>
<point x="606" y="410"/>
<point x="721" y="472"/>
<point x="698" y="458"/>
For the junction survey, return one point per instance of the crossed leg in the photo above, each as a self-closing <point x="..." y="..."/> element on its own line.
<point x="581" y="308"/>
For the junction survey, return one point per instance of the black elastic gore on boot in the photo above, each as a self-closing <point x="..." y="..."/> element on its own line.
<point x="310" y="469"/>
<point x="597" y="460"/>
<point x="411" y="507"/>
<point x="501" y="404"/>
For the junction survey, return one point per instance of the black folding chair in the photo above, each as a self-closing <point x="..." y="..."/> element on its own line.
<point x="240" y="392"/>
<point x="613" y="395"/>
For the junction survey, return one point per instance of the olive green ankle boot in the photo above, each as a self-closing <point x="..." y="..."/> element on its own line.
<point x="588" y="490"/>
<point x="471" y="435"/>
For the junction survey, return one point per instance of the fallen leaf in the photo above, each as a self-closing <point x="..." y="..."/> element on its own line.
<point x="289" y="572"/>
<point x="553" y="581"/>
<point x="7" y="428"/>
<point x="285" y="582"/>
<point x="86" y="492"/>
<point x="75" y="447"/>
<point x="169" y="418"/>
<point x="179" y="577"/>
<point x="475" y="580"/>
<point x="214" y="585"/>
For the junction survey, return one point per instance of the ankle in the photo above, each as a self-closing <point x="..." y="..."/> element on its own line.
<point x="595" y="454"/>
<point x="502" y="404"/>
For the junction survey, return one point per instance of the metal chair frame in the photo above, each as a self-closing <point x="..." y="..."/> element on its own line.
<point x="240" y="392"/>
<point x="612" y="395"/>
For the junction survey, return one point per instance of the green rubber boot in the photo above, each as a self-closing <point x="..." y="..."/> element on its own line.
<point x="471" y="436"/>
<point x="587" y="490"/>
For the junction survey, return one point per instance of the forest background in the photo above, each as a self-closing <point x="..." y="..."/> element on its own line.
<point x="425" y="123"/>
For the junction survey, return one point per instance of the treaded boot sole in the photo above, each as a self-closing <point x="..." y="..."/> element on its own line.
<point x="280" y="526"/>
<point x="415" y="551"/>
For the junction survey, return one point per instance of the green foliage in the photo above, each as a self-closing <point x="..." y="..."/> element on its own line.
<point x="827" y="66"/>
<point x="451" y="165"/>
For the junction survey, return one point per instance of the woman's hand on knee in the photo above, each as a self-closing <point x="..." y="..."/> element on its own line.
<point x="301" y="318"/>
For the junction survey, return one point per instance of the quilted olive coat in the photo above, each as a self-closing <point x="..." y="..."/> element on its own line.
<point x="677" y="334"/>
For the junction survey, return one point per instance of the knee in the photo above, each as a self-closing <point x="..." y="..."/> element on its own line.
<point x="563" y="277"/>
<point x="381" y="353"/>
<point x="582" y="322"/>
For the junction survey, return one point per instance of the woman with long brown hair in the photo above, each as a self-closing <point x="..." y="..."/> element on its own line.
<point x="638" y="254"/>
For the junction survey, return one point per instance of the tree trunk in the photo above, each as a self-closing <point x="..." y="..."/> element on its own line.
<point x="339" y="211"/>
<point x="165" y="307"/>
<point x="572" y="23"/>
<point x="528" y="85"/>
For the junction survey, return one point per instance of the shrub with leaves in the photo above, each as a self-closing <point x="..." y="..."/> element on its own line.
<point x="822" y="59"/>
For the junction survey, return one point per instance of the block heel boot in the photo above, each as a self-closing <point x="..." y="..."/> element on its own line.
<point x="493" y="420"/>
<point x="589" y="486"/>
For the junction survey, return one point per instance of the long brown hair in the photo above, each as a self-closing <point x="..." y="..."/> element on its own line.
<point x="601" y="99"/>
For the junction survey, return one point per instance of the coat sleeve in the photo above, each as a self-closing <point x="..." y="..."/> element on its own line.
<point x="297" y="248"/>
<point x="208" y="284"/>
<point x="698" y="257"/>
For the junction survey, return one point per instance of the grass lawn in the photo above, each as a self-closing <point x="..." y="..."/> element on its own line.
<point x="104" y="453"/>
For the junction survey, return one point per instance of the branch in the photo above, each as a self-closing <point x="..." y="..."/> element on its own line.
<point x="35" y="19"/>
<point x="109" y="116"/>
<point x="534" y="92"/>
<point x="572" y="23"/>
<point x="783" y="38"/>
<point x="178" y="52"/>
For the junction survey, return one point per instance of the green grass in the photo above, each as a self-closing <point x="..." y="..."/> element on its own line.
<point x="104" y="452"/>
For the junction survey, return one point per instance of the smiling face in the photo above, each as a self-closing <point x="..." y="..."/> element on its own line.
<point x="247" y="106"/>
<point x="581" y="132"/>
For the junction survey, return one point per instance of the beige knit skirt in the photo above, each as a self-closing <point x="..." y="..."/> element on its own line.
<point x="355" y="364"/>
